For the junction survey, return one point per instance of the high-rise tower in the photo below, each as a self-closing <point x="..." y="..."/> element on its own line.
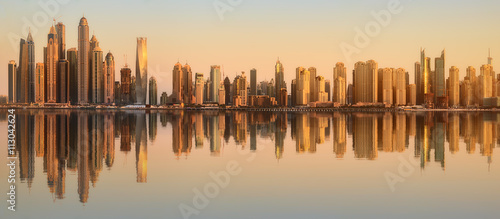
<point x="61" y="38"/>
<point x="153" y="92"/>
<point x="214" y="86"/>
<point x="52" y="63"/>
<point x="83" y="61"/>
<point x="12" y="81"/>
<point x="109" y="79"/>
<point x="177" y="76"/>
<point x="141" y="71"/>
<point x="97" y="76"/>
<point x="279" y="77"/>
<point x="187" y="84"/>
<point x="253" y="82"/>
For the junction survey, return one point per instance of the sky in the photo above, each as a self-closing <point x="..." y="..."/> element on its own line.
<point x="243" y="34"/>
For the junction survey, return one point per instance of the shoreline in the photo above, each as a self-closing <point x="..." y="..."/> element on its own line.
<point x="287" y="109"/>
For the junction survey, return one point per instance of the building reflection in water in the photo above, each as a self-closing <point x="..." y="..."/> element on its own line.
<point x="83" y="142"/>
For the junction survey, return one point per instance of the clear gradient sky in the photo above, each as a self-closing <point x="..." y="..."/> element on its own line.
<point x="256" y="32"/>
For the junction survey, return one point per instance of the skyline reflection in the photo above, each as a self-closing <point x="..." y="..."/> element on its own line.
<point x="82" y="143"/>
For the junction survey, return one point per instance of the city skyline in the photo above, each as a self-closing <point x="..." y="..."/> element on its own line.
<point x="323" y="55"/>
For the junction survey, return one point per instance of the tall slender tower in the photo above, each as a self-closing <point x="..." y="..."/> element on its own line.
<point x="52" y="62"/>
<point x="141" y="71"/>
<point x="109" y="79"/>
<point x="40" y="83"/>
<point x="31" y="68"/>
<point x="61" y="34"/>
<point x="439" y="80"/>
<point x="153" y="92"/>
<point x="187" y="82"/>
<point x="83" y="61"/>
<point x="25" y="78"/>
<point x="177" y="83"/>
<point x="63" y="81"/>
<point x="279" y="75"/>
<point x="215" y="81"/>
<point x="97" y="85"/>
<point x="312" y="84"/>
<point x="418" y="83"/>
<point x="253" y="82"/>
<point x="73" y="75"/>
<point x="12" y="81"/>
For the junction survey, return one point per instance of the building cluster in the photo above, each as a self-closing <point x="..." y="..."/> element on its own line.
<point x="433" y="90"/>
<point x="371" y="86"/>
<point x="77" y="76"/>
<point x="83" y="76"/>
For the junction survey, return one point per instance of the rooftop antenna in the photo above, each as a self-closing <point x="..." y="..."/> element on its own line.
<point x="55" y="19"/>
<point x="489" y="57"/>
<point x="223" y="73"/>
<point x="126" y="64"/>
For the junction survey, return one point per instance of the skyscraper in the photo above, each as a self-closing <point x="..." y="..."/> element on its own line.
<point x="484" y="83"/>
<point x="439" y="78"/>
<point x="153" y="92"/>
<point x="97" y="76"/>
<point x="303" y="86"/>
<point x="240" y="88"/>
<point x="418" y="84"/>
<point x="141" y="70"/>
<point x="454" y="94"/>
<point x="214" y="86"/>
<point x="63" y="81"/>
<point x="52" y="62"/>
<point x="12" y="81"/>
<point x="31" y="68"/>
<point x="365" y="82"/>
<point x="312" y="84"/>
<point x="187" y="82"/>
<point x="320" y="94"/>
<point x="199" y="87"/>
<point x="40" y="83"/>
<point x="339" y="91"/>
<point x="83" y="61"/>
<point x="385" y="86"/>
<point x="109" y="79"/>
<point x="177" y="83"/>
<point x="425" y="79"/>
<point x="25" y="77"/>
<point x="61" y="39"/>
<point x="279" y="76"/>
<point x="253" y="82"/>
<point x="227" y="88"/>
<point x="126" y="80"/>
<point x="339" y="71"/>
<point x="328" y="87"/>
<point x="73" y="75"/>
<point x="399" y="86"/>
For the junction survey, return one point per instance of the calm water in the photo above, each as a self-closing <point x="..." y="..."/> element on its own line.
<point x="87" y="164"/>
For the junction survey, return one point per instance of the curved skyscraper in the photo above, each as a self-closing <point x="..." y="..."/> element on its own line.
<point x="141" y="70"/>
<point x="83" y="61"/>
